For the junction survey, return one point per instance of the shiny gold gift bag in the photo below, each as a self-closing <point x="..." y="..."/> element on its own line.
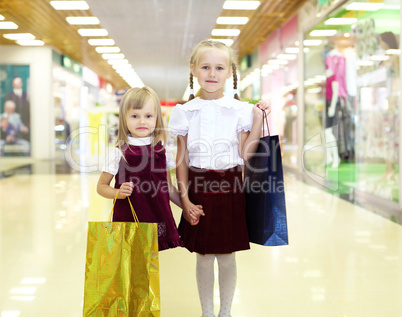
<point x="122" y="269"/>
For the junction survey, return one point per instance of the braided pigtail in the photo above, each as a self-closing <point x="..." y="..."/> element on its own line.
<point x="191" y="88"/>
<point x="236" y="95"/>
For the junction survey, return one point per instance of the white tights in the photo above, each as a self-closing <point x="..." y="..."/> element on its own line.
<point x="227" y="282"/>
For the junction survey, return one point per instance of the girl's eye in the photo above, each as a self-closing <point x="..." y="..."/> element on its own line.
<point x="149" y="116"/>
<point x="204" y="67"/>
<point x="134" y="116"/>
<point x="219" y="68"/>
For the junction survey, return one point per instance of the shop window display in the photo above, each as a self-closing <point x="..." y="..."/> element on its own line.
<point x="352" y="99"/>
<point x="15" y="120"/>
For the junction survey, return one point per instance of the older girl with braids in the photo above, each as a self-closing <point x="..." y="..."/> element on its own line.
<point x="215" y="135"/>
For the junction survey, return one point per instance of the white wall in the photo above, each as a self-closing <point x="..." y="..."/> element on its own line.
<point x="40" y="91"/>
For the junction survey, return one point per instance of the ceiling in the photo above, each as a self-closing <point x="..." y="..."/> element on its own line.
<point x="156" y="36"/>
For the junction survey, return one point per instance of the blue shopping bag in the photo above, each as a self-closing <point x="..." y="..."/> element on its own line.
<point x="265" y="193"/>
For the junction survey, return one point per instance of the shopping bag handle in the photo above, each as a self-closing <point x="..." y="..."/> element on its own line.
<point x="131" y="206"/>
<point x="265" y="120"/>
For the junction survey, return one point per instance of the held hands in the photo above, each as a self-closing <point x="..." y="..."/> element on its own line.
<point x="192" y="213"/>
<point x="126" y="190"/>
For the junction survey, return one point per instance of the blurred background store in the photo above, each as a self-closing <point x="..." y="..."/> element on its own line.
<point x="330" y="69"/>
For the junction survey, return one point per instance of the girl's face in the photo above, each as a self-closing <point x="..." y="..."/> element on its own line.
<point x="212" y="69"/>
<point x="142" y="122"/>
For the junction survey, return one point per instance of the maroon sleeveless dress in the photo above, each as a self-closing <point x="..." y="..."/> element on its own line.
<point x="145" y="166"/>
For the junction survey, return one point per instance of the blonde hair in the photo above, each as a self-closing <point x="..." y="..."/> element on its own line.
<point x="208" y="44"/>
<point x="135" y="98"/>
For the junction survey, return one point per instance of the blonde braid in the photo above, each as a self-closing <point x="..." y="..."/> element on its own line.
<point x="236" y="96"/>
<point x="191" y="87"/>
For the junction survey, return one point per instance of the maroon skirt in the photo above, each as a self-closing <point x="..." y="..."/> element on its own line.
<point x="223" y="229"/>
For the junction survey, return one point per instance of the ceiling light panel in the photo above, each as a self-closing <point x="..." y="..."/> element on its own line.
<point x="19" y="36"/>
<point x="1" y="17"/>
<point x="30" y="42"/>
<point x="8" y="25"/>
<point x="323" y="32"/>
<point x="227" y="42"/>
<point x="340" y="21"/>
<point x="241" y="5"/>
<point x="83" y="20"/>
<point x="99" y="42"/>
<point x="69" y="5"/>
<point x="225" y="32"/>
<point x="107" y="49"/>
<point x="93" y="32"/>
<point x="232" y="20"/>
<point x="364" y="6"/>
<point x="312" y="42"/>
<point x="113" y="56"/>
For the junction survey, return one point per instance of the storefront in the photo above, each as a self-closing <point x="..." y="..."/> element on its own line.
<point x="279" y="84"/>
<point x="352" y="101"/>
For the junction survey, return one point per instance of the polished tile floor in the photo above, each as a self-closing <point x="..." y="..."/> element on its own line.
<point x="342" y="261"/>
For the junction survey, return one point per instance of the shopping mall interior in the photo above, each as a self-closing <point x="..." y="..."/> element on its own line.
<point x="330" y="70"/>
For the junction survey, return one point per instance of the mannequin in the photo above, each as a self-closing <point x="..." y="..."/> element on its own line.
<point x="339" y="107"/>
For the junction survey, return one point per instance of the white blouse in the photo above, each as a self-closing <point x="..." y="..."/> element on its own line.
<point x="212" y="127"/>
<point x="113" y="160"/>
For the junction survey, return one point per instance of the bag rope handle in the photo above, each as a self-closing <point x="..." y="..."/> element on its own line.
<point x="265" y="120"/>
<point x="131" y="207"/>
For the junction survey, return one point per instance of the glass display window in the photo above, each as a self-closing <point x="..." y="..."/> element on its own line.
<point x="352" y="97"/>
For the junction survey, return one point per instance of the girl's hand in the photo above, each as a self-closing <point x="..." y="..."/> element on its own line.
<point x="192" y="213"/>
<point x="126" y="190"/>
<point x="262" y="105"/>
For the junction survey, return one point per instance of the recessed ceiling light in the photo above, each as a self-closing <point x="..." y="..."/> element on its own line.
<point x="364" y="6"/>
<point x="379" y="57"/>
<point x="365" y="63"/>
<point x="277" y="62"/>
<point x="117" y="61"/>
<point x="8" y="25"/>
<point x="232" y="20"/>
<point x="108" y="49"/>
<point x="97" y="42"/>
<point x="289" y="57"/>
<point x="83" y="20"/>
<point x="340" y="21"/>
<point x="312" y="42"/>
<point x="241" y="5"/>
<point x="69" y="5"/>
<point x="227" y="42"/>
<point x="225" y="32"/>
<point x="292" y="50"/>
<point x="30" y="42"/>
<point x="19" y="36"/>
<point x="1" y="17"/>
<point x="112" y="56"/>
<point x="393" y="52"/>
<point x="92" y="32"/>
<point x="323" y="32"/>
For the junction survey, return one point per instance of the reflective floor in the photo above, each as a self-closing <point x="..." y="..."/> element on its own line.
<point x="342" y="261"/>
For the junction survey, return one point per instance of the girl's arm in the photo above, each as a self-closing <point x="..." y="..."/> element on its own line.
<point x="105" y="190"/>
<point x="248" y="141"/>
<point x="173" y="193"/>
<point x="190" y="212"/>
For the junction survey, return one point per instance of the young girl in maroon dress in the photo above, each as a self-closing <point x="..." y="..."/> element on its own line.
<point x="139" y="166"/>
<point x="215" y="135"/>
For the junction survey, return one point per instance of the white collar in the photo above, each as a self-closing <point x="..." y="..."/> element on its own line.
<point x="226" y="102"/>
<point x="139" y="141"/>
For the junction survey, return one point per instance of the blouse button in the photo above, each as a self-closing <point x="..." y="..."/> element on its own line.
<point x="222" y="174"/>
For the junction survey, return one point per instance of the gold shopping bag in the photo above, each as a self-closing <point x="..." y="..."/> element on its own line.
<point x="122" y="269"/>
